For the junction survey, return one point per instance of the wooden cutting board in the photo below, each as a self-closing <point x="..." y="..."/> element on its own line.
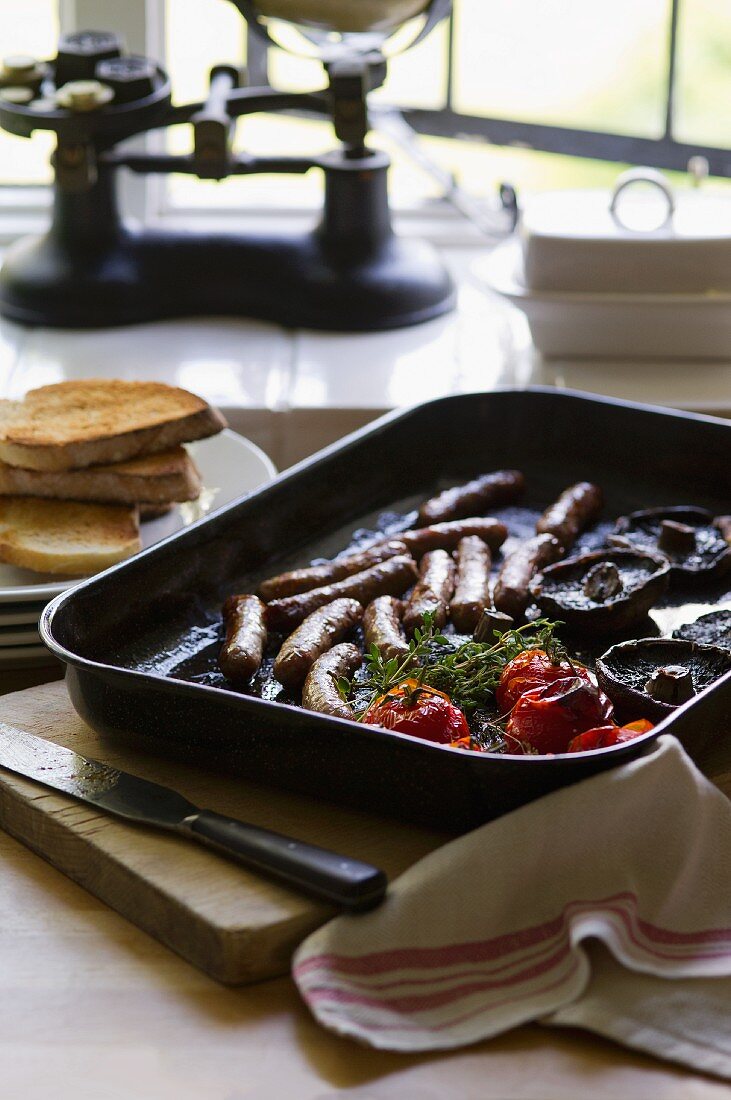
<point x="235" y="926"/>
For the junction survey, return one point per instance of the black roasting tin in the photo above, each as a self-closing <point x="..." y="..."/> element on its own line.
<point x="140" y="640"/>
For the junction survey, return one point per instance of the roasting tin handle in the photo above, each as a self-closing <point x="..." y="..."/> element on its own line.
<point x="326" y="875"/>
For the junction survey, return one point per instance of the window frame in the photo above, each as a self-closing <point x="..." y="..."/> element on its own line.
<point x="662" y="152"/>
<point x="142" y="24"/>
<point x="26" y="208"/>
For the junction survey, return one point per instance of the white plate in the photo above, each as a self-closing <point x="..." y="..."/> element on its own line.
<point x="39" y="659"/>
<point x="20" y="614"/>
<point x="33" y="654"/>
<point x="230" y="466"/>
<point x="611" y="325"/>
<point x="17" y="635"/>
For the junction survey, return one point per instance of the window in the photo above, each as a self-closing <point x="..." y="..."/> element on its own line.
<point x="643" y="81"/>
<point x="27" y="27"/>
<point x="541" y="94"/>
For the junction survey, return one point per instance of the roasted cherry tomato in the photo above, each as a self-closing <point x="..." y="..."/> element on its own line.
<point x="532" y="668"/>
<point x="420" y="711"/>
<point x="466" y="743"/>
<point x="546" y="718"/>
<point x="636" y="728"/>
<point x="601" y="737"/>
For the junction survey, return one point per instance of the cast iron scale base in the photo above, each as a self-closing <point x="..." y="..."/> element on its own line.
<point x="351" y="272"/>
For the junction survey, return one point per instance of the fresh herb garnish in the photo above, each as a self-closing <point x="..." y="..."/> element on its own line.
<point x="470" y="675"/>
<point x="385" y="675"/>
<point x="487" y="733"/>
<point x="343" y="686"/>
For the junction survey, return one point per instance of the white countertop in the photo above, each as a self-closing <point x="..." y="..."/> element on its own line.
<point x="294" y="391"/>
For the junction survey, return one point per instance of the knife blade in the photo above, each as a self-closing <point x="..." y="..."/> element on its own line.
<point x="331" y="877"/>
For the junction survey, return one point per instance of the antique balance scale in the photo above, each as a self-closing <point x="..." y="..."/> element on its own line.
<point x="350" y="272"/>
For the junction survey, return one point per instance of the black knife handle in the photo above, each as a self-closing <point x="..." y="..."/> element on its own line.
<point x="334" y="878"/>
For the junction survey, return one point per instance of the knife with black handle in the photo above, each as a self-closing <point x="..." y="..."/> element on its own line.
<point x="325" y="875"/>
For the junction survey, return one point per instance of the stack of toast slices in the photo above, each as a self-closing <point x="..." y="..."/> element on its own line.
<point x="82" y="462"/>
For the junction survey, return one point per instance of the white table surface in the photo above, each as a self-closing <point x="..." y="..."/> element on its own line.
<point x="295" y="391"/>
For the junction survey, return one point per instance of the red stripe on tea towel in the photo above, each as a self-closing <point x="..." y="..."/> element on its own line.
<point x="424" y="958"/>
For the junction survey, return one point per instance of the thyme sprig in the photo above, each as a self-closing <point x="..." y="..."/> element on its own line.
<point x="469" y="674"/>
<point x="343" y="686"/>
<point x="383" y="675"/>
<point x="472" y="672"/>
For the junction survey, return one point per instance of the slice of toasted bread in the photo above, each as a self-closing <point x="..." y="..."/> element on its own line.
<point x="152" y="479"/>
<point x="99" y="421"/>
<point x="62" y="536"/>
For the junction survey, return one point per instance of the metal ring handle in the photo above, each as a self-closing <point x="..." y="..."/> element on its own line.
<point x="642" y="175"/>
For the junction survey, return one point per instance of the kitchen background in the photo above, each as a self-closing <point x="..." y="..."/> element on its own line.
<point x="601" y="68"/>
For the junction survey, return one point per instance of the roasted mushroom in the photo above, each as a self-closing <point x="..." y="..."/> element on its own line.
<point x="651" y="677"/>
<point x="689" y="538"/>
<point x="603" y="592"/>
<point x="712" y="629"/>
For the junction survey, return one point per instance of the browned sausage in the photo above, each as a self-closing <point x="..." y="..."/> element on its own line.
<point x="724" y="525"/>
<point x="501" y="487"/>
<point x="446" y="536"/>
<point x="511" y="593"/>
<point x="432" y="591"/>
<point x="320" y="692"/>
<point x="246" y="636"/>
<point x="315" y="576"/>
<point x="382" y="628"/>
<point x="471" y="591"/>
<point x="575" y="509"/>
<point x="390" y="578"/>
<point x="319" y="632"/>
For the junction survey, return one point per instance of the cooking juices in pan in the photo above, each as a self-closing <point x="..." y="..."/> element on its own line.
<point x="479" y="631"/>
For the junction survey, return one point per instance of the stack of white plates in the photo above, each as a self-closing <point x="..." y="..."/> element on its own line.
<point x="619" y="277"/>
<point x="230" y="467"/>
<point x="21" y="605"/>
